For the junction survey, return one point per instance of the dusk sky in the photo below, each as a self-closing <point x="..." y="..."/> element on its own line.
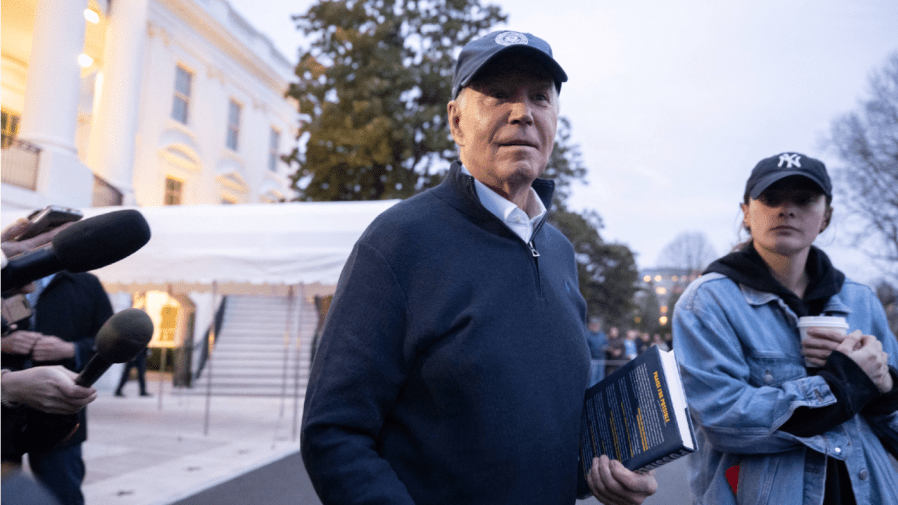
<point x="673" y="103"/>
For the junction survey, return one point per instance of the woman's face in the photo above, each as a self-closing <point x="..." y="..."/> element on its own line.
<point x="787" y="217"/>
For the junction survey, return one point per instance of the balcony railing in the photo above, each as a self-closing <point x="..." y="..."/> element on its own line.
<point x="19" y="161"/>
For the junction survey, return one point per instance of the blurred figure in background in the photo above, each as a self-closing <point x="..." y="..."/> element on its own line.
<point x="140" y="363"/>
<point x="598" y="343"/>
<point x="614" y="351"/>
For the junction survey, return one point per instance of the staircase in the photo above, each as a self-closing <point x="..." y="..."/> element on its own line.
<point x="251" y="357"/>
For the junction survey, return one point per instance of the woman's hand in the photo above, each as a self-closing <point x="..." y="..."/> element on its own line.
<point x="819" y="344"/>
<point x="612" y="484"/>
<point x="866" y="351"/>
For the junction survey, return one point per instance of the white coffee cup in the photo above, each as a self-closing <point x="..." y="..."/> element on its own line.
<point x="832" y="323"/>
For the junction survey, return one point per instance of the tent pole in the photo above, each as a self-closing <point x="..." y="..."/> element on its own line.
<point x="291" y="299"/>
<point x="162" y="361"/>
<point x="299" y="328"/>
<point x="210" y="346"/>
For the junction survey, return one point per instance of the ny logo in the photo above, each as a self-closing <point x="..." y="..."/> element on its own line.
<point x="789" y="159"/>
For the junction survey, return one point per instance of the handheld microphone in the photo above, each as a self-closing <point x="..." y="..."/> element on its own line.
<point x="119" y="340"/>
<point x="86" y="245"/>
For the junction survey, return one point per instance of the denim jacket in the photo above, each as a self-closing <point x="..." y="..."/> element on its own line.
<point x="740" y="355"/>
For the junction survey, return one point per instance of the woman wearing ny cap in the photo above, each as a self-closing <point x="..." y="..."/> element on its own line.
<point x="770" y="430"/>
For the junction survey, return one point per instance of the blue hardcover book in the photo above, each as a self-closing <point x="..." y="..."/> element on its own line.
<point x="638" y="414"/>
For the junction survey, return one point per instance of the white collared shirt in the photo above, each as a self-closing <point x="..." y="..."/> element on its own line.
<point x="516" y="219"/>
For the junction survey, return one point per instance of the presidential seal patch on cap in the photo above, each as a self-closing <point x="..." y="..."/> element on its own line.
<point x="511" y="38"/>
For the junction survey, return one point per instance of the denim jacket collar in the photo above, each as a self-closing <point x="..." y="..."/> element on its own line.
<point x="835" y="305"/>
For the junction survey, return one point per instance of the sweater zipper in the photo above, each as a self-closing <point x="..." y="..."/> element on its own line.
<point x="535" y="254"/>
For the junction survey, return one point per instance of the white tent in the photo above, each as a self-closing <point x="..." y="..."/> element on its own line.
<point x="245" y="249"/>
<point x="240" y="249"/>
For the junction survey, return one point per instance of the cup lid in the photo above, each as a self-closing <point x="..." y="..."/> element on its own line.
<point x="830" y="321"/>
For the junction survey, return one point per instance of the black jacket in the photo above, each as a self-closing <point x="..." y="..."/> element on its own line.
<point x="72" y="307"/>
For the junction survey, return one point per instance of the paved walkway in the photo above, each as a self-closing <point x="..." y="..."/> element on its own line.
<point x="141" y="451"/>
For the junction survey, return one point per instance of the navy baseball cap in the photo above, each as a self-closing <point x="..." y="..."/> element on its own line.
<point x="478" y="53"/>
<point x="774" y="168"/>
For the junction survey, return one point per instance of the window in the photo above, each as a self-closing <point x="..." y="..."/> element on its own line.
<point x="181" y="104"/>
<point x="173" y="190"/>
<point x="273" y="150"/>
<point x="10" y="127"/>
<point x="233" y="125"/>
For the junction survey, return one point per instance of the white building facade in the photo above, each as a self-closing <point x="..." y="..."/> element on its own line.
<point x="146" y="103"/>
<point x="141" y="102"/>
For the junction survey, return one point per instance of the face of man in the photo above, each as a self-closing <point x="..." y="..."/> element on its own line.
<point x="504" y="124"/>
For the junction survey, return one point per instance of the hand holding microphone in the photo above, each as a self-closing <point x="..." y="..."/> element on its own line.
<point x="118" y="341"/>
<point x="86" y="245"/>
<point x="50" y="389"/>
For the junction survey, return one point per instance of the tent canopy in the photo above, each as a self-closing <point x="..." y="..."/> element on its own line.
<point x="245" y="249"/>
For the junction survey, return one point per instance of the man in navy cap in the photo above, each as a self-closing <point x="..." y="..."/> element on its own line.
<point x="453" y="362"/>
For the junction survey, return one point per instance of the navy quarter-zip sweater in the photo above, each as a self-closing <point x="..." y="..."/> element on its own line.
<point x="453" y="361"/>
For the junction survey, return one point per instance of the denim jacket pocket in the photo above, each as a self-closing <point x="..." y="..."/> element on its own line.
<point x="772" y="369"/>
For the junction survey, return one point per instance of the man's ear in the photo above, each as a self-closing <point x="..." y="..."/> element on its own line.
<point x="454" y="115"/>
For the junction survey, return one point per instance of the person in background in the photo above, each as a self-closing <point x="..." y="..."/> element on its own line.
<point x="598" y="343"/>
<point x="34" y="376"/>
<point x="139" y="362"/>
<point x="658" y="340"/>
<point x="68" y="310"/>
<point x="771" y="427"/>
<point x="630" y="346"/>
<point x="467" y="386"/>
<point x="614" y="353"/>
<point x="643" y="342"/>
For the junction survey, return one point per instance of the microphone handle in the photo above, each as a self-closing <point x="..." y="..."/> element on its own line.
<point x="29" y="267"/>
<point x="92" y="371"/>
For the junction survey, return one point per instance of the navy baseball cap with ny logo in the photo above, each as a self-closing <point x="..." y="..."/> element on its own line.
<point x="779" y="166"/>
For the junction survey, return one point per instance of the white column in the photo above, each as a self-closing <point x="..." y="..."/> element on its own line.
<point x="50" y="113"/>
<point x="114" y="127"/>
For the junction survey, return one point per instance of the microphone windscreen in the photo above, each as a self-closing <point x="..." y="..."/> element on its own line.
<point x="124" y="335"/>
<point x="101" y="240"/>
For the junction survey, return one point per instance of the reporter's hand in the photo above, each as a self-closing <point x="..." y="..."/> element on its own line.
<point x="51" y="389"/>
<point x="866" y="351"/>
<point x="12" y="248"/>
<point x="20" y="342"/>
<point x="612" y="484"/>
<point x="820" y="343"/>
<point x="51" y="348"/>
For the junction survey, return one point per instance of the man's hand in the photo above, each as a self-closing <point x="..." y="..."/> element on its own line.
<point x="819" y="344"/>
<point x="50" y="348"/>
<point x="51" y="389"/>
<point x="866" y="351"/>
<point x="612" y="484"/>
<point x="20" y="342"/>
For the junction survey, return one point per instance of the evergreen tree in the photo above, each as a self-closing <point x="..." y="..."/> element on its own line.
<point x="372" y="92"/>
<point x="607" y="272"/>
